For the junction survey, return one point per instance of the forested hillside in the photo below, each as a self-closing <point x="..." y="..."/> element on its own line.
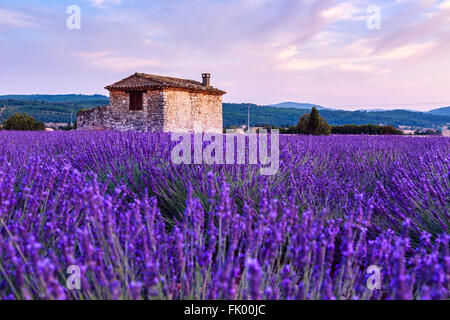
<point x="48" y="108"/>
<point x="236" y="114"/>
<point x="441" y="111"/>
<point x="58" y="109"/>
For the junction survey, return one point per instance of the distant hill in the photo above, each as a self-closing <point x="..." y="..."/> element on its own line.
<point x="49" y="108"/>
<point x="236" y="114"/>
<point x="73" y="98"/>
<point x="296" y="105"/>
<point x="441" y="111"/>
<point x="58" y="109"/>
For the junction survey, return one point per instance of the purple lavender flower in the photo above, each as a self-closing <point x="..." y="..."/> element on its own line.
<point x="139" y="227"/>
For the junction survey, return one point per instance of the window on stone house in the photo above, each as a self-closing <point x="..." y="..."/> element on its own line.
<point x="136" y="100"/>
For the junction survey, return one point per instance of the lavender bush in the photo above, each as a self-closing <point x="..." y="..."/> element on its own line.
<point x="140" y="227"/>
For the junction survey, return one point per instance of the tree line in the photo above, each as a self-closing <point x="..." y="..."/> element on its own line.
<point x="309" y="124"/>
<point x="370" y="129"/>
<point x="314" y="124"/>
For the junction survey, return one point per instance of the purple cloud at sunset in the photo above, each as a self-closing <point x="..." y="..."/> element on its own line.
<point x="259" y="51"/>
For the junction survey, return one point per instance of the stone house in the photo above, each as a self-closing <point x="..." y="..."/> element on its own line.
<point x="151" y="103"/>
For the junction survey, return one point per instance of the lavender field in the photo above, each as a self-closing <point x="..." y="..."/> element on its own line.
<point x="140" y="227"/>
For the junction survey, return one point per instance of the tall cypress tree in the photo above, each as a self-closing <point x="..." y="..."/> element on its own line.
<point x="314" y="121"/>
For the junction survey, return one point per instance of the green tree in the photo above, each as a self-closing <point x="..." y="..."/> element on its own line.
<point x="22" y="122"/>
<point x="313" y="124"/>
<point x="303" y="124"/>
<point x="314" y="121"/>
<point x="324" y="128"/>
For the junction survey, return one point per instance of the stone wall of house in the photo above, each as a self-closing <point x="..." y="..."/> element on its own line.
<point x="117" y="115"/>
<point x="163" y="110"/>
<point x="183" y="109"/>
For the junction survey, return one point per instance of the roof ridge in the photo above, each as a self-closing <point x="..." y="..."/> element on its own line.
<point x="165" y="77"/>
<point x="146" y="80"/>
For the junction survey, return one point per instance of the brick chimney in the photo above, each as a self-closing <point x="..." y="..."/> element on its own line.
<point x="206" y="80"/>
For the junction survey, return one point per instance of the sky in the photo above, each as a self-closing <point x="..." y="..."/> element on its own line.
<point x="331" y="53"/>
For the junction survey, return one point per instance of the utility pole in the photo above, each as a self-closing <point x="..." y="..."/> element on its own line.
<point x="248" y="127"/>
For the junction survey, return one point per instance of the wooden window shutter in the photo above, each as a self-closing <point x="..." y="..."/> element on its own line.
<point x="136" y="100"/>
<point x="139" y="100"/>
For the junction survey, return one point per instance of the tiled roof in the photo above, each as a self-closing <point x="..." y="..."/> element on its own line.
<point x="142" y="81"/>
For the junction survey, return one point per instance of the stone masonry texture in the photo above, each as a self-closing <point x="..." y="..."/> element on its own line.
<point x="164" y="110"/>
